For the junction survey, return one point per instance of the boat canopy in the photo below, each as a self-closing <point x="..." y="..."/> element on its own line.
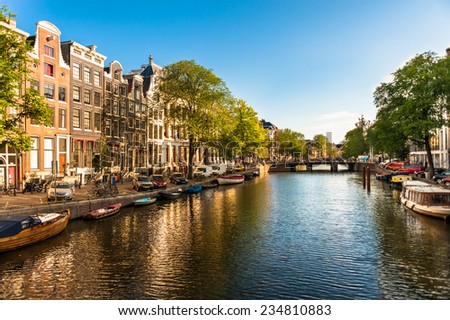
<point x="10" y="226"/>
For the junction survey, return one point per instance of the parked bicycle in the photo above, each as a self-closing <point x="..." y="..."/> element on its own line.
<point x="33" y="187"/>
<point x="103" y="190"/>
<point x="8" y="190"/>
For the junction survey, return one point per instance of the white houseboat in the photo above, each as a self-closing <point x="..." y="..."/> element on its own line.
<point x="425" y="198"/>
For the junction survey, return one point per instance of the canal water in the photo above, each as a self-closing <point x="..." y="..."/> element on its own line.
<point x="283" y="236"/>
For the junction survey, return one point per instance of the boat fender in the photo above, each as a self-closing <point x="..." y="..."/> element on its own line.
<point x="412" y="207"/>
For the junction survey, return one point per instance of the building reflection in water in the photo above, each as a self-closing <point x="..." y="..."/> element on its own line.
<point x="298" y="236"/>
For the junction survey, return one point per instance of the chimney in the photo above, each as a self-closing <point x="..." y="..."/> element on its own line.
<point x="150" y="59"/>
<point x="92" y="47"/>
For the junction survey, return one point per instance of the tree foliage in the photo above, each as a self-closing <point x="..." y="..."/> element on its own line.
<point x="415" y="103"/>
<point x="385" y="138"/>
<point x="16" y="101"/>
<point x="291" y="144"/>
<point x="196" y="99"/>
<point x="355" y="142"/>
<point x="246" y="132"/>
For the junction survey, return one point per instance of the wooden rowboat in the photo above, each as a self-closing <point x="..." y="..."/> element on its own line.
<point x="144" y="201"/>
<point x="210" y="185"/>
<point x="231" y="179"/>
<point x="169" y="195"/>
<point x="20" y="231"/>
<point x="103" y="212"/>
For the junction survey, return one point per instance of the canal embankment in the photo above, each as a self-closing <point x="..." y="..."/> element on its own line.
<point x="83" y="202"/>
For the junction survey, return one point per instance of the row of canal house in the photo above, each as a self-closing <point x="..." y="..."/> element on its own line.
<point x="94" y="104"/>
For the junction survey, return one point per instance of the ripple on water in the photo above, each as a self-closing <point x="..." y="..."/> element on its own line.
<point x="286" y="236"/>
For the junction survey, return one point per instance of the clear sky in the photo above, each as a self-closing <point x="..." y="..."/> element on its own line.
<point x="308" y="65"/>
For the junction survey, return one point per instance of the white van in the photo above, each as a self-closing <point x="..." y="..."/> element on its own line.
<point x="204" y="172"/>
<point x="218" y="169"/>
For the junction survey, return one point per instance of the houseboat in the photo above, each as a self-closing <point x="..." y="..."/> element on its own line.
<point x="426" y="199"/>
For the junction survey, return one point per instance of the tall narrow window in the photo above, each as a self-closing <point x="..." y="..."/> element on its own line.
<point x="97" y="78"/>
<point x="62" y="94"/>
<point x="76" y="118"/>
<point x="87" y="74"/>
<point x="35" y="84"/>
<point x="97" y="99"/>
<point x="48" y="153"/>
<point x="76" y="92"/>
<point x="62" y="118"/>
<point x="97" y="121"/>
<point x="76" y="71"/>
<point x="87" y="96"/>
<point x="87" y="120"/>
<point x="49" y="90"/>
<point x="108" y="127"/>
<point x="34" y="153"/>
<point x="52" y="124"/>
<point x="48" y="69"/>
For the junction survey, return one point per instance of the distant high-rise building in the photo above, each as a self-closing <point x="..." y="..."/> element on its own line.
<point x="329" y="136"/>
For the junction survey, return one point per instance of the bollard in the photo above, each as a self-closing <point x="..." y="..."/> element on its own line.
<point x="368" y="179"/>
<point x="364" y="176"/>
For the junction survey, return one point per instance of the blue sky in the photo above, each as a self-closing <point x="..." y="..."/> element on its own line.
<point x="308" y="65"/>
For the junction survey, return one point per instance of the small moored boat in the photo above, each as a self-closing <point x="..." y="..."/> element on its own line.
<point x="231" y="179"/>
<point x="144" y="201"/>
<point x="210" y="185"/>
<point x="103" y="212"/>
<point x="426" y="199"/>
<point x="20" y="231"/>
<point x="196" y="188"/>
<point x="169" y="195"/>
<point x="400" y="178"/>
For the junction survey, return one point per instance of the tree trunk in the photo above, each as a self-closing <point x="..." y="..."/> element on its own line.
<point x="429" y="157"/>
<point x="206" y="156"/>
<point x="191" y="158"/>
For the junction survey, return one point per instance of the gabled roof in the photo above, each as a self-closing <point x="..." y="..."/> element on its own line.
<point x="148" y="72"/>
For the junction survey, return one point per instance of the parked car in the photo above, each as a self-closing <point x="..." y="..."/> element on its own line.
<point x="59" y="190"/>
<point x="239" y="167"/>
<point x="394" y="165"/>
<point x="387" y="161"/>
<point x="422" y="174"/>
<point x="158" y="181"/>
<point x="410" y="169"/>
<point x="178" y="178"/>
<point x="446" y="181"/>
<point x="438" y="177"/>
<point x="142" y="183"/>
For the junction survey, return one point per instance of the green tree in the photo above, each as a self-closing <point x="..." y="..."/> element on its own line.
<point x="417" y="99"/>
<point x="384" y="137"/>
<point x="16" y="101"/>
<point x="291" y="143"/>
<point x="355" y="142"/>
<point x="195" y="97"/>
<point x="322" y="146"/>
<point x="246" y="131"/>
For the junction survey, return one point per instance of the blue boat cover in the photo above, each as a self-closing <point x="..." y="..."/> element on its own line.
<point x="10" y="226"/>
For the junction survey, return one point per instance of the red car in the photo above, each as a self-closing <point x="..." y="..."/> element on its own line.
<point x="410" y="169"/>
<point x="395" y="165"/>
<point x="158" y="181"/>
<point x="446" y="181"/>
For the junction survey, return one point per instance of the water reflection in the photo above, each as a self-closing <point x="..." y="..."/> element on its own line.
<point x="287" y="236"/>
